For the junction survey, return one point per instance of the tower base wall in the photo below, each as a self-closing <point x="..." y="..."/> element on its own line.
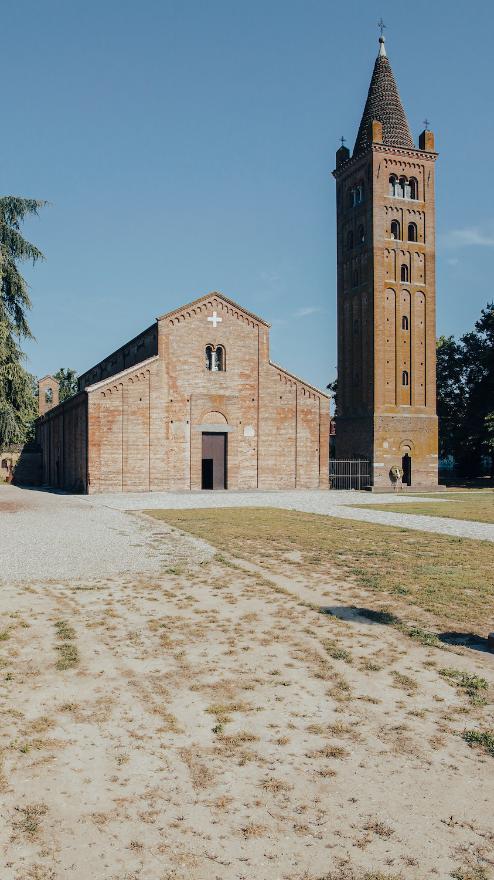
<point x="392" y="440"/>
<point x="397" y="437"/>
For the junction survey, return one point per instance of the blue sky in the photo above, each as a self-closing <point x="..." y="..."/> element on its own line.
<point x="187" y="147"/>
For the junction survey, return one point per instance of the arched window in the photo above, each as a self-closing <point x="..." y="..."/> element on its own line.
<point x="215" y="358"/>
<point x="395" y="230"/>
<point x="219" y="359"/>
<point x="414" y="188"/>
<point x="404" y="323"/>
<point x="393" y="181"/>
<point x="412" y="232"/>
<point x="404" y="378"/>
<point x="350" y="197"/>
<point x="404" y="272"/>
<point x="349" y="239"/>
<point x="402" y="183"/>
<point x="49" y="395"/>
<point x="361" y="235"/>
<point x="359" y="194"/>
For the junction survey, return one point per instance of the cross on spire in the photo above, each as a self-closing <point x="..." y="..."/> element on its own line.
<point x="426" y="123"/>
<point x="381" y="26"/>
<point x="343" y="141"/>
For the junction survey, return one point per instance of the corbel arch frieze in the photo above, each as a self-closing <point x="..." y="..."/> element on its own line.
<point x="216" y="305"/>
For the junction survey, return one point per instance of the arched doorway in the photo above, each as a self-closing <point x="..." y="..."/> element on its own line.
<point x="214" y="451"/>
<point x="406" y="464"/>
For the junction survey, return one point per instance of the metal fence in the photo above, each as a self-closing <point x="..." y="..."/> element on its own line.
<point x="349" y="473"/>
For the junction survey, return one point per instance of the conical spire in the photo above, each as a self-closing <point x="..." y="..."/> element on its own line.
<point x="384" y="104"/>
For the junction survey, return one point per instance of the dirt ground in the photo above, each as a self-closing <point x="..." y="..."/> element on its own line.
<point x="210" y="722"/>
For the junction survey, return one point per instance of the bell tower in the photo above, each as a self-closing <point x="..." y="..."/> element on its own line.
<point x="385" y="207"/>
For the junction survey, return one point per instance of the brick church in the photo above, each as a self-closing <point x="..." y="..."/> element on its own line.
<point x="195" y="402"/>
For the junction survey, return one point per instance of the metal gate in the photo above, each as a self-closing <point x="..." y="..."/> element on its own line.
<point x="349" y="473"/>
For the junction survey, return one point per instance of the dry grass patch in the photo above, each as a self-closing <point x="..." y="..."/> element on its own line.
<point x="381" y="829"/>
<point x="253" y="829"/>
<point x="470" y="506"/>
<point x="235" y="740"/>
<point x="348" y="873"/>
<point x="68" y="655"/>
<point x="474" y="872"/>
<point x="275" y="786"/>
<point x="450" y="578"/>
<point x="223" y="711"/>
<point x="29" y="822"/>
<point x="330" y="751"/>
<point x="404" y="681"/>
<point x="201" y="775"/>
<point x="335" y="650"/>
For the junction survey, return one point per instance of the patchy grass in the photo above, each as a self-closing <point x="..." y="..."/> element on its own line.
<point x="28" y="822"/>
<point x="376" y="826"/>
<point x="404" y="681"/>
<point x="475" y="872"/>
<point x="482" y="738"/>
<point x="476" y="507"/>
<point x="336" y="651"/>
<point x="68" y="655"/>
<point x="348" y="873"/>
<point x="65" y="632"/>
<point x="275" y="786"/>
<point x="450" y="578"/>
<point x="253" y="829"/>
<point x="473" y="685"/>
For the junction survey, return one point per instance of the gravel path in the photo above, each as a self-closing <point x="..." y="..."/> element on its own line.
<point x="44" y="536"/>
<point x="326" y="503"/>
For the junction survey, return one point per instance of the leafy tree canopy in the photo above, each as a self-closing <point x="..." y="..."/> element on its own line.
<point x="17" y="386"/>
<point x="67" y="380"/>
<point x="465" y="394"/>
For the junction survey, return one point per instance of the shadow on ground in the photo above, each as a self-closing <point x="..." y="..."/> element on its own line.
<point x="353" y="614"/>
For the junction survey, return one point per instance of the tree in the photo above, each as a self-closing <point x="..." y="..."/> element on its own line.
<point x="333" y="389"/>
<point x="17" y="390"/>
<point x="451" y="398"/>
<point x="67" y="380"/>
<point x="479" y="365"/>
<point x="465" y="394"/>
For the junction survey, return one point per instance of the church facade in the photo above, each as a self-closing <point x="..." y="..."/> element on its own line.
<point x="193" y="402"/>
<point x="386" y="402"/>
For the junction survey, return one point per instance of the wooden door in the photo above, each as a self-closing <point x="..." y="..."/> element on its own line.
<point x="214" y="460"/>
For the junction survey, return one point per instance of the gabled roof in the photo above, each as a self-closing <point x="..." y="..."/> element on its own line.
<point x="298" y="379"/>
<point x="384" y="105"/>
<point x="48" y="376"/>
<point x="217" y="295"/>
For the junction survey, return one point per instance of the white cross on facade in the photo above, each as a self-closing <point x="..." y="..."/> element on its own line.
<point x="215" y="320"/>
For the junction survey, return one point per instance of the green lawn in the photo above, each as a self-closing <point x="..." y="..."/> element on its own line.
<point x="475" y="506"/>
<point x="450" y="578"/>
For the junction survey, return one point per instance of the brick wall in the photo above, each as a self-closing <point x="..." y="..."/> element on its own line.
<point x="146" y="423"/>
<point x="62" y="435"/>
